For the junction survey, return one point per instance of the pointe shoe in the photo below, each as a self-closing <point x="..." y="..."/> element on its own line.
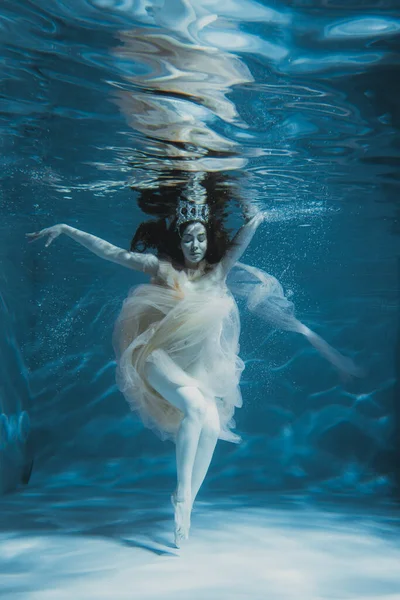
<point x="181" y="529"/>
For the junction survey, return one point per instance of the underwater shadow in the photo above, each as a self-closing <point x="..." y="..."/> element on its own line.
<point x="129" y="518"/>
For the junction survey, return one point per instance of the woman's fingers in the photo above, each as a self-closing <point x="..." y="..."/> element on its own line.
<point x="33" y="236"/>
<point x="50" y="233"/>
<point x="39" y="234"/>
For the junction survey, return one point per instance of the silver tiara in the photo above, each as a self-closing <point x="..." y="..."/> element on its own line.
<point x="194" y="207"/>
<point x="190" y="211"/>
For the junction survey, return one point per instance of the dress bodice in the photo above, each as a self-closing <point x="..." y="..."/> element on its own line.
<point x="189" y="282"/>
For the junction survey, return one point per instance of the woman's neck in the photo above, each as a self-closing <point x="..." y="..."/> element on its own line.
<point x="189" y="266"/>
<point x="196" y="270"/>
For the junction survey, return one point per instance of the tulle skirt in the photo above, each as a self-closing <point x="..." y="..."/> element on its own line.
<point x="185" y="333"/>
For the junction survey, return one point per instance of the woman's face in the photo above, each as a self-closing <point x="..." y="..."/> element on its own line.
<point x="194" y="242"/>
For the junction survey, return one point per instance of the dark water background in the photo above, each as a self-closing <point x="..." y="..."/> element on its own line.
<point x="296" y="106"/>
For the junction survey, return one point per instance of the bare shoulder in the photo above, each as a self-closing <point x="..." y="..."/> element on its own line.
<point x="163" y="271"/>
<point x="217" y="273"/>
<point x="150" y="263"/>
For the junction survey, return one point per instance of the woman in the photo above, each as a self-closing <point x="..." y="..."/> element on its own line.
<point x="176" y="338"/>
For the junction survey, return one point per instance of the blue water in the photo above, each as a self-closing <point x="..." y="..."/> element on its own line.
<point x="292" y="107"/>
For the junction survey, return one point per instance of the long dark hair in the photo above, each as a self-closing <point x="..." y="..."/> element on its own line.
<point x="164" y="237"/>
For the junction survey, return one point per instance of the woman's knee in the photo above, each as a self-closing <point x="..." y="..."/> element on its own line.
<point x="194" y="403"/>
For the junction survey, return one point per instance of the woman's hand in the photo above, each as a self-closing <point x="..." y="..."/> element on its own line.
<point x="51" y="233"/>
<point x="258" y="217"/>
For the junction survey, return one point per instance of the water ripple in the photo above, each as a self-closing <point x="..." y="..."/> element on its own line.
<point x="199" y="86"/>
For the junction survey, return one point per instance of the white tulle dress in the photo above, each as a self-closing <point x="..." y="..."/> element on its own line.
<point x="189" y="324"/>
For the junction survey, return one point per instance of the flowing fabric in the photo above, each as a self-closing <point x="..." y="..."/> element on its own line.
<point x="189" y="326"/>
<point x="266" y="299"/>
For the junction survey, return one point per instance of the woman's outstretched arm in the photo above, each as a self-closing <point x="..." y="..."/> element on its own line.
<point x="240" y="242"/>
<point x="147" y="263"/>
